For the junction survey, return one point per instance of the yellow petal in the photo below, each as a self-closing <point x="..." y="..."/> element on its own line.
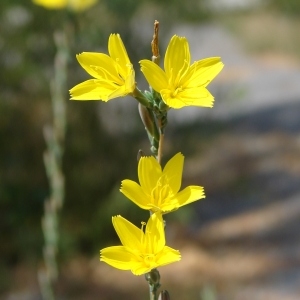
<point x="155" y="234"/>
<point x="190" y="194"/>
<point x="149" y="172"/>
<point x="118" y="53"/>
<point x="130" y="80"/>
<point x="117" y="256"/>
<point x="168" y="256"/>
<point x="199" y="96"/>
<point x="169" y="205"/>
<point x="155" y="76"/>
<point x="202" y="72"/>
<point x="92" y="89"/>
<point x="99" y="65"/>
<point x="130" y="235"/>
<point x="135" y="193"/>
<point x="173" y="172"/>
<point x="177" y="58"/>
<point x="119" y="91"/>
<point x="142" y="269"/>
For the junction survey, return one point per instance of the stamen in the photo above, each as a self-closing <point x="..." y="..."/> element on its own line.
<point x="142" y="232"/>
<point x="148" y="259"/>
<point x="143" y="224"/>
<point x="161" y="192"/>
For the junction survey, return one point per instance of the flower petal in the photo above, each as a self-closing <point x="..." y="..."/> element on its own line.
<point x="155" y="234"/>
<point x="99" y="65"/>
<point x="173" y="172"/>
<point x="92" y="89"/>
<point x="190" y="194"/>
<point x="168" y="256"/>
<point x="142" y="269"/>
<point x="177" y="58"/>
<point x="135" y="193"/>
<point x="155" y="76"/>
<point x="169" y="205"/>
<point x="130" y="235"/>
<point x="149" y="172"/>
<point x="117" y="256"/>
<point x="199" y="96"/>
<point x="118" y="53"/>
<point x="119" y="91"/>
<point x="202" y="72"/>
<point x="130" y="80"/>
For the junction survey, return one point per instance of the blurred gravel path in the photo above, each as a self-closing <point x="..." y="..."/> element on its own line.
<point x="252" y="168"/>
<point x="247" y="83"/>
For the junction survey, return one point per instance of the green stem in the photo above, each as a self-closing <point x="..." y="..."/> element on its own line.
<point x="55" y="136"/>
<point x="153" y="278"/>
<point x="140" y="97"/>
<point x="160" y="148"/>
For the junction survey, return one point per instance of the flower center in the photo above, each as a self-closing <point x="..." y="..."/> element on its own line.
<point x="149" y="259"/>
<point x="161" y="191"/>
<point x="176" y="91"/>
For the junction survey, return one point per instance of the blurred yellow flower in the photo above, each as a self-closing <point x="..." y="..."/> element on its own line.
<point x="75" y="5"/>
<point x="159" y="189"/>
<point x="113" y="75"/>
<point x="182" y="84"/>
<point x="141" y="251"/>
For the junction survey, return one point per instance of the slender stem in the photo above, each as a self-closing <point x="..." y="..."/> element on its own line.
<point x="46" y="288"/>
<point x="139" y="96"/>
<point x="153" y="278"/>
<point x="161" y="122"/>
<point x="55" y="136"/>
<point x="160" y="148"/>
<point x="152" y="294"/>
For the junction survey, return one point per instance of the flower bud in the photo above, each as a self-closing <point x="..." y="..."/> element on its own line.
<point x="149" y="121"/>
<point x="164" y="295"/>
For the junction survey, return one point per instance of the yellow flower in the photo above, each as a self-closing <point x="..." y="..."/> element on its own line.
<point x="75" y="5"/>
<point x="182" y="84"/>
<point x="159" y="189"/>
<point x="141" y="252"/>
<point x="113" y="75"/>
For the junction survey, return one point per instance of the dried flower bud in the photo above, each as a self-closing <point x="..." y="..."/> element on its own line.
<point x="164" y="295"/>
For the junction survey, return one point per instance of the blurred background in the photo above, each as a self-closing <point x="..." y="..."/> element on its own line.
<point x="242" y="241"/>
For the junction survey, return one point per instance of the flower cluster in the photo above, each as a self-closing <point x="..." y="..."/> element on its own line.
<point x="158" y="192"/>
<point x="179" y="84"/>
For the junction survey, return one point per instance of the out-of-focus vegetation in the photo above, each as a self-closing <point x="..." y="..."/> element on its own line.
<point x="291" y="7"/>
